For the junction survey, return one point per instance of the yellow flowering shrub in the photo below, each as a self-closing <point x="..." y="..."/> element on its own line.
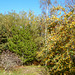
<point x="60" y="44"/>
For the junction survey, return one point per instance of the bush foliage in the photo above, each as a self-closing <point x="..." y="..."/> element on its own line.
<point x="24" y="35"/>
<point x="22" y="43"/>
<point x="60" y="44"/>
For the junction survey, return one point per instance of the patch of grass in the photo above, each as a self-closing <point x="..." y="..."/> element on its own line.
<point x="26" y="70"/>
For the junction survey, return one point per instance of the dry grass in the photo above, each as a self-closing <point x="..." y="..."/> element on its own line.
<point x="26" y="70"/>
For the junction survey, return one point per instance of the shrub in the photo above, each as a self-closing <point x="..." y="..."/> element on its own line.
<point x="9" y="60"/>
<point x="22" y="43"/>
<point x="3" y="38"/>
<point x="60" y="49"/>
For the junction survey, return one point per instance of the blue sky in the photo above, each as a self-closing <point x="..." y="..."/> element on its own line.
<point x="20" y="5"/>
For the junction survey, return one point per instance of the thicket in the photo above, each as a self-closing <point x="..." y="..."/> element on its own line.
<point x="20" y="33"/>
<point x="59" y="56"/>
<point x="24" y="35"/>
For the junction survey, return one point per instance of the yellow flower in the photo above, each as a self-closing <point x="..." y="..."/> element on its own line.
<point x="65" y="18"/>
<point x="73" y="22"/>
<point x="51" y="22"/>
<point x="53" y="16"/>
<point x="69" y="13"/>
<point x="57" y="18"/>
<point x="48" y="18"/>
<point x="58" y="8"/>
<point x="63" y="9"/>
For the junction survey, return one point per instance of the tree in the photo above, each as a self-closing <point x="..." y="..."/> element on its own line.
<point x="44" y="4"/>
<point x="22" y="43"/>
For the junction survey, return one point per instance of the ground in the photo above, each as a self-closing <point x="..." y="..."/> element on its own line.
<point x="26" y="70"/>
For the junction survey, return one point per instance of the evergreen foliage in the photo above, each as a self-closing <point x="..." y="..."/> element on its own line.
<point x="22" y="43"/>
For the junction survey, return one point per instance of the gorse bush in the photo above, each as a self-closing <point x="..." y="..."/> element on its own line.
<point x="60" y="44"/>
<point x="22" y="43"/>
